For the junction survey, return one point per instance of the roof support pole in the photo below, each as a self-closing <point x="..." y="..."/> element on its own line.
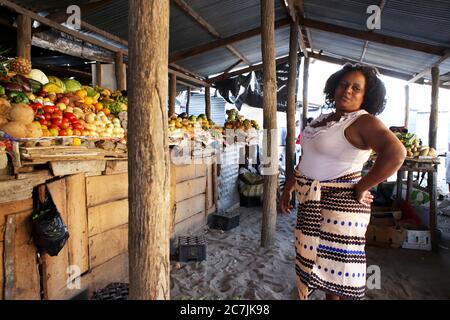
<point x="406" y="106"/>
<point x="148" y="155"/>
<point x="98" y="73"/>
<point x="120" y="74"/>
<point x="270" y="143"/>
<point x="432" y="136"/>
<point x="24" y="36"/>
<point x="188" y="99"/>
<point x="172" y="93"/>
<point x="208" y="102"/>
<point x="291" y="100"/>
<point x="305" y="91"/>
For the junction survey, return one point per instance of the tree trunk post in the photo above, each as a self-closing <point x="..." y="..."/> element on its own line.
<point x="270" y="123"/>
<point x="24" y="36"/>
<point x="432" y="136"/>
<point x="148" y="156"/>
<point x="208" y="102"/>
<point x="98" y="73"/>
<point x="406" y="106"/>
<point x="305" y="91"/>
<point x="188" y="99"/>
<point x="291" y="101"/>
<point x="172" y="93"/>
<point x="120" y="74"/>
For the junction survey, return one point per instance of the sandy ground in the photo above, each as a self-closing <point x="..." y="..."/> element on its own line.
<point x="237" y="267"/>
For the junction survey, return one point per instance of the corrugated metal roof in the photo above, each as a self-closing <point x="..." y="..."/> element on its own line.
<point x="339" y="45"/>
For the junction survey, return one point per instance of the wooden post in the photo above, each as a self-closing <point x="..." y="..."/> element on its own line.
<point x="98" y="73"/>
<point x="148" y="156"/>
<point x="24" y="36"/>
<point x="172" y="93"/>
<point x="305" y="91"/>
<point x="409" y="184"/>
<point x="120" y="75"/>
<point x="270" y="122"/>
<point x="208" y="102"/>
<point x="399" y="188"/>
<point x="406" y="106"/>
<point x="188" y="99"/>
<point x="291" y="101"/>
<point x="432" y="181"/>
<point x="432" y="135"/>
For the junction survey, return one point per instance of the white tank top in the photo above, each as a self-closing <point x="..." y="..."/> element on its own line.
<point x="326" y="152"/>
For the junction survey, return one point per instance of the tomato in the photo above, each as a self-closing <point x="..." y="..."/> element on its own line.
<point x="49" y="109"/>
<point x="57" y="112"/>
<point x="64" y="100"/>
<point x="70" y="116"/>
<point x="76" y="132"/>
<point x="65" y="123"/>
<point x="56" y="116"/>
<point x="57" y="121"/>
<point x="36" y="105"/>
<point x="48" y="116"/>
<point x="77" y="126"/>
<point x="63" y="133"/>
<point x="43" y="122"/>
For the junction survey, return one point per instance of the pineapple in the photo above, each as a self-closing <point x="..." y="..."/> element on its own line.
<point x="20" y="65"/>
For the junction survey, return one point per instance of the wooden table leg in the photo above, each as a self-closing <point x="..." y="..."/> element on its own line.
<point x="409" y="185"/>
<point x="399" y="188"/>
<point x="432" y="180"/>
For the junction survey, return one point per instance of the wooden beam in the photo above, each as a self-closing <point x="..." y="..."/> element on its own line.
<point x="208" y="102"/>
<point x="188" y="99"/>
<point x="305" y="91"/>
<point x="208" y="27"/>
<point x="291" y="12"/>
<point x="406" y="106"/>
<point x="386" y="72"/>
<point x="222" y="42"/>
<point x="373" y="37"/>
<point x="24" y="36"/>
<point x="148" y="154"/>
<point x="181" y="75"/>
<point x="254" y="67"/>
<point x="291" y="100"/>
<point x="120" y="74"/>
<point x="227" y="70"/>
<point x="172" y="93"/>
<point x="434" y="113"/>
<point x="427" y="70"/>
<point x="270" y="170"/>
<point x="190" y="73"/>
<point x="12" y="6"/>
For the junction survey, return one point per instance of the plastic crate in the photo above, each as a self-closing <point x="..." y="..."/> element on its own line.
<point x="225" y="221"/>
<point x="417" y="239"/>
<point x="113" y="291"/>
<point x="191" y="248"/>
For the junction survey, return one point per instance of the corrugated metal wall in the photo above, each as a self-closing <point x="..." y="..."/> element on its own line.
<point x="197" y="106"/>
<point x="227" y="181"/>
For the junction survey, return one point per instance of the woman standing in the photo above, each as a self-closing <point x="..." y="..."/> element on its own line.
<point x="334" y="200"/>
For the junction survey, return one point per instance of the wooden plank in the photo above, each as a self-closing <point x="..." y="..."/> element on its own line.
<point x="105" y="189"/>
<point x="55" y="268"/>
<point x="107" y="216"/>
<point x="105" y="246"/>
<point x="222" y="42"/>
<point x="115" y="167"/>
<point x="78" y="241"/>
<point x="15" y="190"/>
<point x="62" y="168"/>
<point x="189" y="207"/>
<point x="21" y="269"/>
<point x="188" y="172"/>
<point x="42" y="174"/>
<point x="209" y="186"/>
<point x="190" y="225"/>
<point x="190" y="188"/>
<point x="15" y="206"/>
<point x="1" y="269"/>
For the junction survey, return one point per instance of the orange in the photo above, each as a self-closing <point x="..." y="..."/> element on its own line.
<point x="81" y="93"/>
<point x="99" y="106"/>
<point x="106" y="111"/>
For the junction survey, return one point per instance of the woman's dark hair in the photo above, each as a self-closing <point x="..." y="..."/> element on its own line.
<point x="375" y="91"/>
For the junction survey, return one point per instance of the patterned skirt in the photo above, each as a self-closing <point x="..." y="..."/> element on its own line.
<point x="330" y="237"/>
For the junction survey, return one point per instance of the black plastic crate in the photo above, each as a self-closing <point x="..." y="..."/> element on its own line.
<point x="113" y="291"/>
<point x="225" y="221"/>
<point x="191" y="248"/>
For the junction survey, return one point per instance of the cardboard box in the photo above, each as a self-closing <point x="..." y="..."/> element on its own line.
<point x="385" y="236"/>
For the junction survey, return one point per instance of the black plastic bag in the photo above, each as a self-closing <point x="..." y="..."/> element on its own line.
<point x="49" y="231"/>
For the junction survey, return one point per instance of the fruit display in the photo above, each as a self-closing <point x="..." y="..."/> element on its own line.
<point x="197" y="128"/>
<point x="413" y="146"/>
<point x="34" y="105"/>
<point x="239" y="129"/>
